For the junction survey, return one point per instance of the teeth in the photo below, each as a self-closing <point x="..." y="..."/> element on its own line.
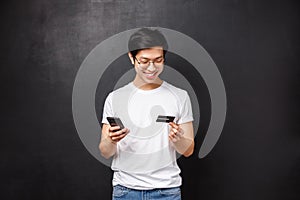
<point x="150" y="74"/>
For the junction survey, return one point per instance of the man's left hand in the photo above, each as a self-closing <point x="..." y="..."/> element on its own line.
<point x="176" y="133"/>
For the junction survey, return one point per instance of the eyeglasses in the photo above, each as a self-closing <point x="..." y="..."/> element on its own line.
<point x="144" y="64"/>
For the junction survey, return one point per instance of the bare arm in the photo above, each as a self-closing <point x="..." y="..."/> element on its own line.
<point x="182" y="138"/>
<point x="109" y="139"/>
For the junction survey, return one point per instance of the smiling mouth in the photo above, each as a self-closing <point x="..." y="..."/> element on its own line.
<point x="150" y="74"/>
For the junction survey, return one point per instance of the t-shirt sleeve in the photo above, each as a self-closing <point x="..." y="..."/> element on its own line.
<point x="186" y="113"/>
<point x="107" y="109"/>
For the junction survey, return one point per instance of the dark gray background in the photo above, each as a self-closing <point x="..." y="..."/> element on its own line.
<point x="255" y="45"/>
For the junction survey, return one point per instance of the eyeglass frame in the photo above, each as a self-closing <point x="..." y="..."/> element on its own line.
<point x="150" y="61"/>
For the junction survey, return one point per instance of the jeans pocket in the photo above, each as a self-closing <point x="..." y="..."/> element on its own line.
<point x="120" y="191"/>
<point x="170" y="191"/>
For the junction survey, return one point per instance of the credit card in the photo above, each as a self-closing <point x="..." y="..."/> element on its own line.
<point x="166" y="119"/>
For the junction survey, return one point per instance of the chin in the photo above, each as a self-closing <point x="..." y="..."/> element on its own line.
<point x="146" y="81"/>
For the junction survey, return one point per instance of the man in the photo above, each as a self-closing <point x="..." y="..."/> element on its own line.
<point x="144" y="152"/>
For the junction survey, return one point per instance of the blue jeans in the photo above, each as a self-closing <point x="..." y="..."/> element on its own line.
<point x="124" y="193"/>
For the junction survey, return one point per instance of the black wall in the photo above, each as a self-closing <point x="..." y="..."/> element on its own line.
<point x="255" y="45"/>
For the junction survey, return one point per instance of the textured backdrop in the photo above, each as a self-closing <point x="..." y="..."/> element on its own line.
<point x="255" y="45"/>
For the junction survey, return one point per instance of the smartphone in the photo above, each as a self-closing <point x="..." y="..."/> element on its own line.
<point x="166" y="119"/>
<point x="115" y="121"/>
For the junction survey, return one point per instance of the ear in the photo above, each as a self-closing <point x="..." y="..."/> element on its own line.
<point x="131" y="58"/>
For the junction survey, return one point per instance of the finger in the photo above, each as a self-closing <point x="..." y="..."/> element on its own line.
<point x="176" y="136"/>
<point x="171" y="132"/>
<point x="174" y="125"/>
<point x="178" y="132"/>
<point x="117" y="133"/>
<point x="172" y="135"/>
<point x="126" y="130"/>
<point x="119" y="137"/>
<point x="114" y="128"/>
<point x="172" y="139"/>
<point x="175" y="130"/>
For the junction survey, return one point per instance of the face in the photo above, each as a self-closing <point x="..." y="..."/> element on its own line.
<point x="147" y="74"/>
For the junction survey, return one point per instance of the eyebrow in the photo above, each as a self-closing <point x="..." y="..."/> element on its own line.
<point x="149" y="58"/>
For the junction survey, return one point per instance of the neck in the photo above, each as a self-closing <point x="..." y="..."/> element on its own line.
<point x="147" y="86"/>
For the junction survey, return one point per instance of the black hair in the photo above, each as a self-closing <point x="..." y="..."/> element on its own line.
<point x="146" y="38"/>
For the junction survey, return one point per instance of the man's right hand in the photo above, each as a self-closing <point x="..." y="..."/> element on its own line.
<point x="115" y="134"/>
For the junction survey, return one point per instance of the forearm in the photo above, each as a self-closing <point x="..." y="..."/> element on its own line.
<point x="107" y="147"/>
<point x="182" y="138"/>
<point x="184" y="146"/>
<point x="110" y="137"/>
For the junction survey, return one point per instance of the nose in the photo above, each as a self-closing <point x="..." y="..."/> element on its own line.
<point x="151" y="66"/>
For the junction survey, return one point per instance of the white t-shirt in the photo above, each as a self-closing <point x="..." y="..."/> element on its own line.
<point x="145" y="158"/>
